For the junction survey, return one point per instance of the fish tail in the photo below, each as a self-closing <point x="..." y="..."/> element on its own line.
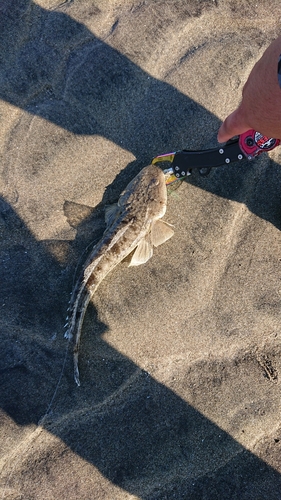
<point x="76" y="369"/>
<point x="81" y="312"/>
<point x="72" y="310"/>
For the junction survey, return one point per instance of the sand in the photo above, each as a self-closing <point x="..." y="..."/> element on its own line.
<point x="180" y="359"/>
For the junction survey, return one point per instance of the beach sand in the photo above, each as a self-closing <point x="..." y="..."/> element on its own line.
<point x="180" y="358"/>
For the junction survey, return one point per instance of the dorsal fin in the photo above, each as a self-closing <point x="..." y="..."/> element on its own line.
<point x="110" y="213"/>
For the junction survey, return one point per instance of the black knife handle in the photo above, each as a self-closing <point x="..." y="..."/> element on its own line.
<point x="186" y="160"/>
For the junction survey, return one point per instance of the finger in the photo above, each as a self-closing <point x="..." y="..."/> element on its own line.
<point x="233" y="125"/>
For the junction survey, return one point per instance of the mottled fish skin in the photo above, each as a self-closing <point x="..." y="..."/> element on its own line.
<point x="133" y="224"/>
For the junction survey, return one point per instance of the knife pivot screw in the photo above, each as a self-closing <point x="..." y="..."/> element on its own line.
<point x="249" y="141"/>
<point x="177" y="175"/>
<point x="227" y="160"/>
<point x="177" y="168"/>
<point x="183" y="174"/>
<point x="221" y="151"/>
<point x="240" y="157"/>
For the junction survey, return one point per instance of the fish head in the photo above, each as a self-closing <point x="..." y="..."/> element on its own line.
<point x="146" y="193"/>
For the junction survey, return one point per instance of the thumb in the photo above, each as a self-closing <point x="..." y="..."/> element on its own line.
<point x="232" y="125"/>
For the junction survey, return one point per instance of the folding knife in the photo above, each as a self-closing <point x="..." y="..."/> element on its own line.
<point x="246" y="146"/>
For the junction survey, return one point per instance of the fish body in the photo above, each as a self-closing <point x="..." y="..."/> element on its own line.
<point x="133" y="224"/>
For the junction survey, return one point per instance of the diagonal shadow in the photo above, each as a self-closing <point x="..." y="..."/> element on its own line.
<point x="145" y="430"/>
<point x="68" y="76"/>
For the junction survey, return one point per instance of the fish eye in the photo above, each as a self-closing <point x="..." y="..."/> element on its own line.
<point x="154" y="182"/>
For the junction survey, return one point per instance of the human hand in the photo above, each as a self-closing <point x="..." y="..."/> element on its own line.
<point x="260" y="108"/>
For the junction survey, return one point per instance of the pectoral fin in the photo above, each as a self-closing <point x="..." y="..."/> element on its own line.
<point x="160" y="232"/>
<point x="142" y="253"/>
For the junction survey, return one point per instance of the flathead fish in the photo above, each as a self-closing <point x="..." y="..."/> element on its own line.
<point x="133" y="224"/>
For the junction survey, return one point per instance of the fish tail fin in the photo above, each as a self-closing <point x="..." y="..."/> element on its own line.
<point x="76" y="369"/>
<point x="81" y="312"/>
